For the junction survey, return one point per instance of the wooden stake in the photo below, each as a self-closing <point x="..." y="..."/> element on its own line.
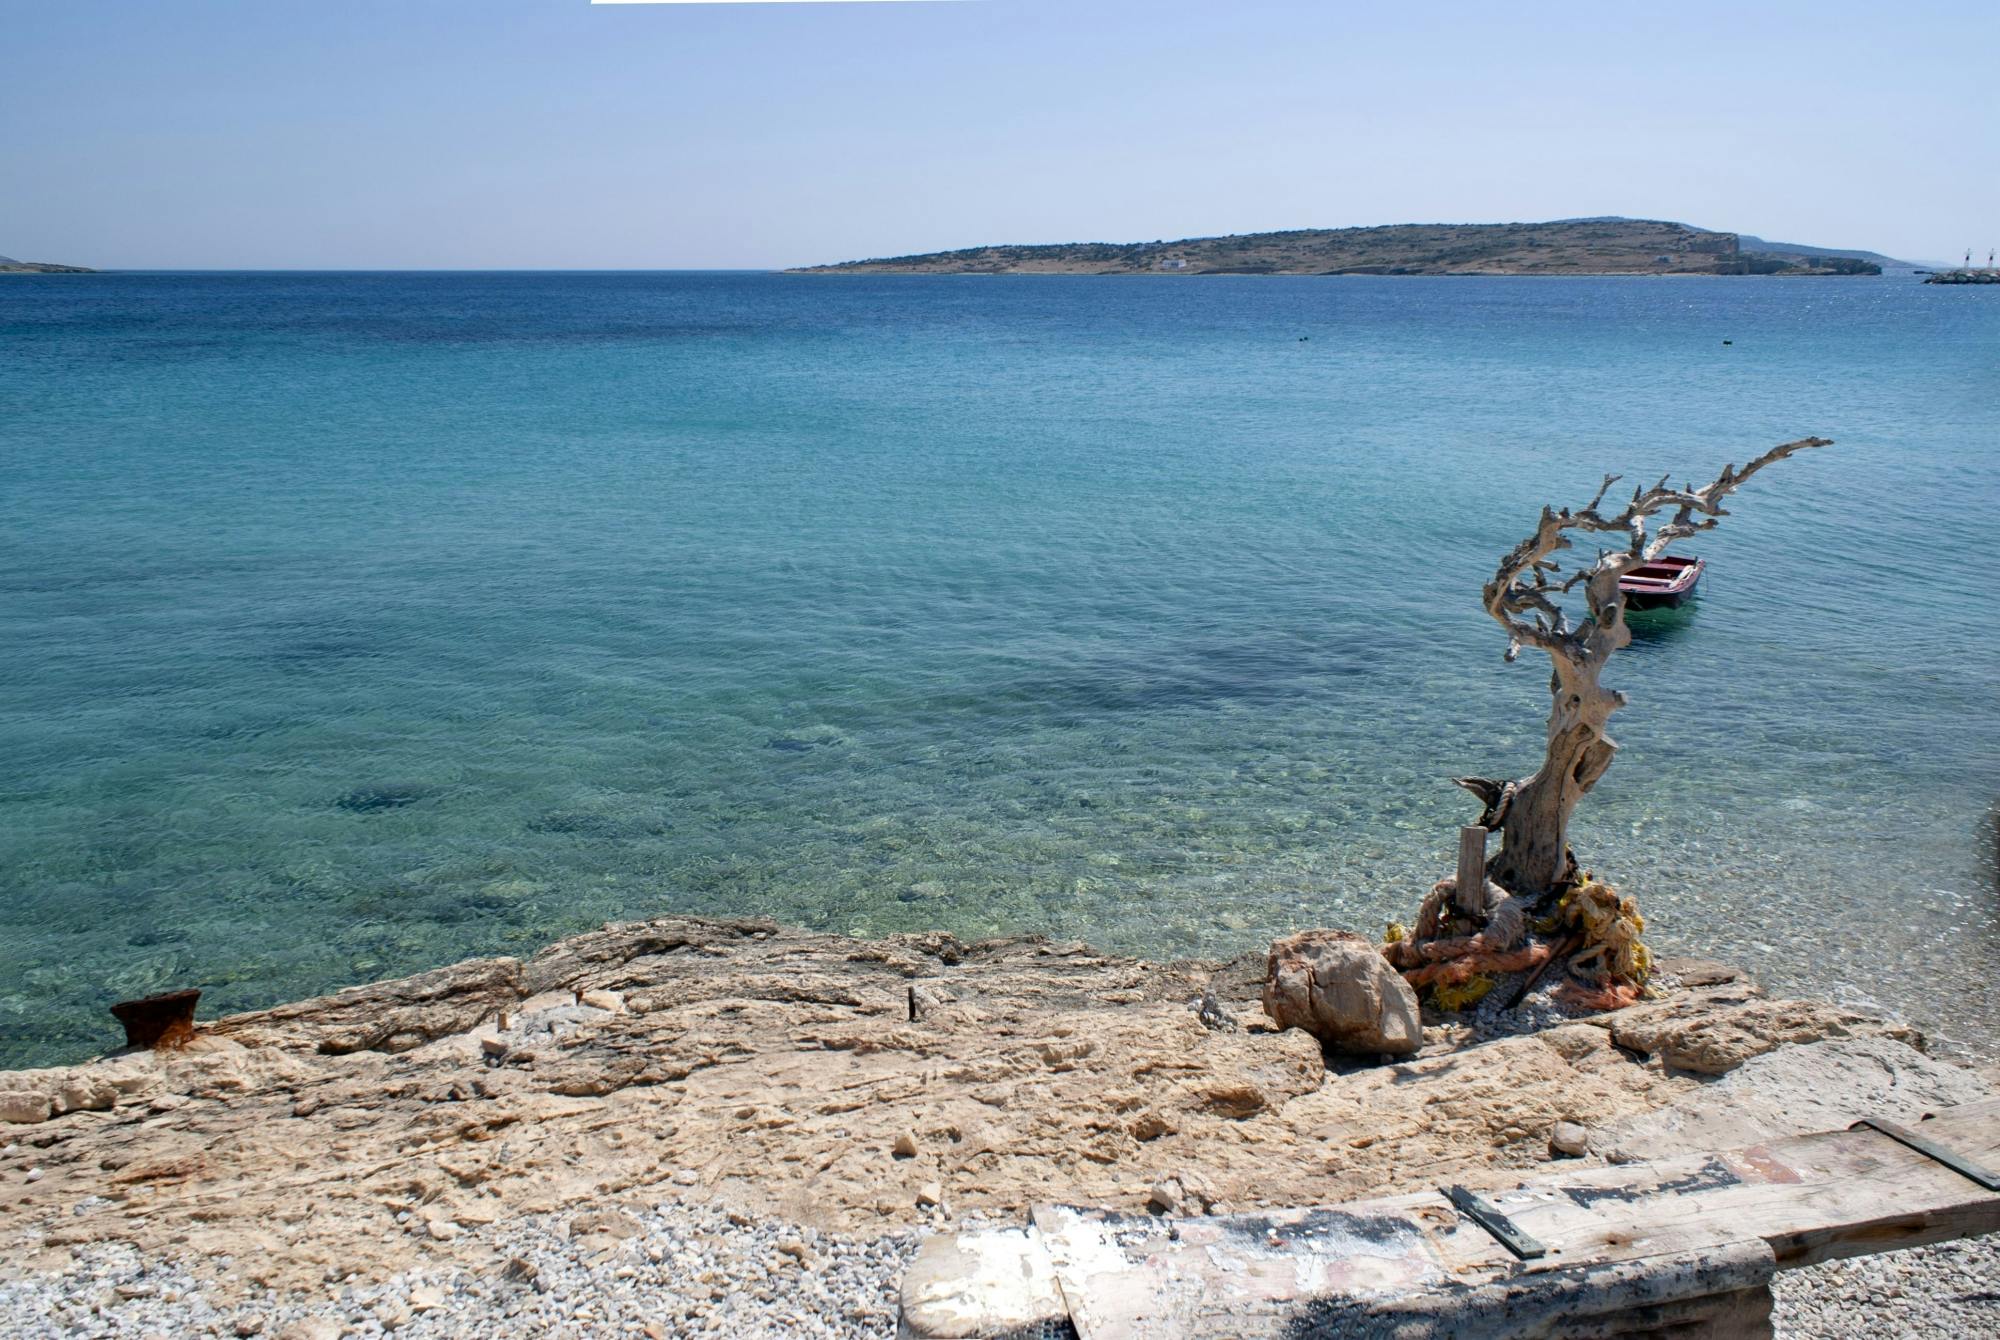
<point x="1471" y="895"/>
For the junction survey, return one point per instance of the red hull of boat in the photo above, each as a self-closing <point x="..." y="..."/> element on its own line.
<point x="1661" y="584"/>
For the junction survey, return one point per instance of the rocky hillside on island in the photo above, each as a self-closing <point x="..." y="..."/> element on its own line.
<point x="1562" y="247"/>
<point x="10" y="266"/>
<point x="683" y="1127"/>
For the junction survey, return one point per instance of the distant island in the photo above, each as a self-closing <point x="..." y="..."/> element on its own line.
<point x="10" y="266"/>
<point x="1563" y="247"/>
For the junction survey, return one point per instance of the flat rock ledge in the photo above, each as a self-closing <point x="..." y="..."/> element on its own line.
<point x="855" y="1089"/>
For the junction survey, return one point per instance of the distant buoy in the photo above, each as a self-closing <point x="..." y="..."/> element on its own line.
<point x="1729" y="341"/>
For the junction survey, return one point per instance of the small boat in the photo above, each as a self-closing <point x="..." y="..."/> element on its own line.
<point x="1664" y="583"/>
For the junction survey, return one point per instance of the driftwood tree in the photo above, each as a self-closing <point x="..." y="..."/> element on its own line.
<point x="1524" y="597"/>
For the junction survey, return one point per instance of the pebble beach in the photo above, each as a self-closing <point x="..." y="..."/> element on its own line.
<point x="685" y="1269"/>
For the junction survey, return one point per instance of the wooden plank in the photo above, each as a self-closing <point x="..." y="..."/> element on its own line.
<point x="1654" y="1228"/>
<point x="1128" y="1277"/>
<point x="1813" y="1198"/>
<point x="1719" y="1293"/>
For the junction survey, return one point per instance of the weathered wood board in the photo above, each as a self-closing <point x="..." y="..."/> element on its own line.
<point x="1626" y="1250"/>
<point x="1814" y="1198"/>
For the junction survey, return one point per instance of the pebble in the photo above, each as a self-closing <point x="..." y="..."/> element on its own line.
<point x="1569" y="1140"/>
<point x="1950" y="1291"/>
<point x="690" y="1270"/>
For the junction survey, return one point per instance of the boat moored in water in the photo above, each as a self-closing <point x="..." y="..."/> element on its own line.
<point x="1664" y="583"/>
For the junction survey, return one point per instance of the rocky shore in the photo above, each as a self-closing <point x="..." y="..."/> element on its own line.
<point x="685" y="1127"/>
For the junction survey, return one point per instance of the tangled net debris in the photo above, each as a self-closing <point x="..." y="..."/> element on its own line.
<point x="1609" y="969"/>
<point x="1458" y="957"/>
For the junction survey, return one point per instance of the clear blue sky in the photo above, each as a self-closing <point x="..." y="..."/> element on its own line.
<point x="550" y="133"/>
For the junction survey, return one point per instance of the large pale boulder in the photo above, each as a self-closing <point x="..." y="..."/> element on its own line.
<point x="1337" y="986"/>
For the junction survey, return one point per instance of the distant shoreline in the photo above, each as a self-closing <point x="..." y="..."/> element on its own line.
<point x="835" y="271"/>
<point x="1582" y="247"/>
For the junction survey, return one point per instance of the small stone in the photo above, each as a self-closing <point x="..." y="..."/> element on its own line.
<point x="426" y="1298"/>
<point x="604" y="1223"/>
<point x="519" y="1270"/>
<point x="929" y="1194"/>
<point x="34" y="1174"/>
<point x="249" y="1325"/>
<point x="1165" y="1196"/>
<point x="443" y="1230"/>
<point x="905" y="1147"/>
<point x="1569" y="1140"/>
<point x="603" y="1000"/>
<point x="686" y="1177"/>
<point x="793" y="1248"/>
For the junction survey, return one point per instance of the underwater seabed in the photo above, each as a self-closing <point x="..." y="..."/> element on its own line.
<point x="352" y="625"/>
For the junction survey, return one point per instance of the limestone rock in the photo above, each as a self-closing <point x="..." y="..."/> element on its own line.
<point x="782" y="1065"/>
<point x="607" y="958"/>
<point x="1698" y="1034"/>
<point x="23" y="1106"/>
<point x="389" y="1016"/>
<point x="84" y="1093"/>
<point x="605" y="1223"/>
<point x="1337" y="986"/>
<point x="1794" y="1090"/>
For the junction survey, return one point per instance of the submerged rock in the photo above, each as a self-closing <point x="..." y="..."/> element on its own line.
<point x="1337" y="986"/>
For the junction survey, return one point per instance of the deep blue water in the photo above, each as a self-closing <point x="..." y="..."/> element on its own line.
<point x="351" y="624"/>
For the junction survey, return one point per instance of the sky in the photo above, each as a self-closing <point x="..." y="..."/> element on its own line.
<point x="364" y="134"/>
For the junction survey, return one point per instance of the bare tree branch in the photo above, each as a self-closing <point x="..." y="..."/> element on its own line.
<point x="1523" y="600"/>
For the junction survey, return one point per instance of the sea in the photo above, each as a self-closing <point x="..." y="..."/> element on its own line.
<point x="354" y="624"/>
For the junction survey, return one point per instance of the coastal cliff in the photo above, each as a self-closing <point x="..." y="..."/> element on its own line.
<point x="684" y="1116"/>
<point x="1563" y="247"/>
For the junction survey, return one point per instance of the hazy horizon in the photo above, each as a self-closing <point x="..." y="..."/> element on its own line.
<point x="554" y="135"/>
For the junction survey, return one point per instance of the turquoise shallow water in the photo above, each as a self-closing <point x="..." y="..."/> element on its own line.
<point x="352" y="624"/>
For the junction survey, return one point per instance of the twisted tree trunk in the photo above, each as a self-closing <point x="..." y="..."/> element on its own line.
<point x="1535" y="833"/>
<point x="1533" y="814"/>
